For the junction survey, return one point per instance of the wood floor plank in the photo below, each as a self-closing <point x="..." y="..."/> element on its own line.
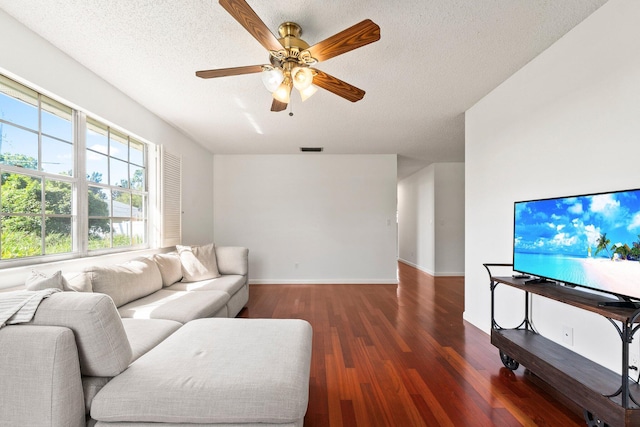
<point x="428" y="397"/>
<point x="348" y="413"/>
<point x="387" y="355"/>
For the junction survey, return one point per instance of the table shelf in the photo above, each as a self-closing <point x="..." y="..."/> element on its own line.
<point x="608" y="398"/>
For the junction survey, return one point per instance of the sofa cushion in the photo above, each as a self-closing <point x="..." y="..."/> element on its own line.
<point x="144" y="334"/>
<point x="77" y="281"/>
<point x="228" y="284"/>
<point x="175" y="305"/>
<point x="169" y="266"/>
<point x="216" y="371"/>
<point x="198" y="262"/>
<point x="37" y="281"/>
<point x="232" y="260"/>
<point x="90" y="387"/>
<point x="103" y="346"/>
<point x="238" y="301"/>
<point x="126" y="282"/>
<point x="40" y="380"/>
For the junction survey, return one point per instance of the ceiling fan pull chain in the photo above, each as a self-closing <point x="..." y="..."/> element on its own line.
<point x="291" y="108"/>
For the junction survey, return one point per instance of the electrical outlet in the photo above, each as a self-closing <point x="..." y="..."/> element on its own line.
<point x="567" y="335"/>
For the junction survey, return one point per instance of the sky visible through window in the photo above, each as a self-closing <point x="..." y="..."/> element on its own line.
<point x="57" y="138"/>
<point x="57" y="130"/>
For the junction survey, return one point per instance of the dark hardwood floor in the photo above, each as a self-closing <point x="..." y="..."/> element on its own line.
<point x="386" y="355"/>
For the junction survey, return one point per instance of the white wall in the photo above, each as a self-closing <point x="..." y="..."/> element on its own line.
<point x="34" y="61"/>
<point x="309" y="218"/>
<point x="416" y="212"/>
<point x="567" y="123"/>
<point x="431" y="219"/>
<point x="449" y="219"/>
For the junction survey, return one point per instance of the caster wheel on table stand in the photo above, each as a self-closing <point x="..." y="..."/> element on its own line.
<point x="593" y="421"/>
<point x="508" y="362"/>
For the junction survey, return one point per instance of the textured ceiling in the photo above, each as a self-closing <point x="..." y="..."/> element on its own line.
<point x="435" y="59"/>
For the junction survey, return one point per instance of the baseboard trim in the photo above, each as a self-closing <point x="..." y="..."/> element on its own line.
<point x="449" y="274"/>
<point x="430" y="272"/>
<point x="417" y="267"/>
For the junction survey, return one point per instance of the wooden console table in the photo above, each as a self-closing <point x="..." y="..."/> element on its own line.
<point x="608" y="398"/>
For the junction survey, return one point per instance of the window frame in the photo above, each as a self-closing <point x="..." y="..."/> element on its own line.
<point x="80" y="184"/>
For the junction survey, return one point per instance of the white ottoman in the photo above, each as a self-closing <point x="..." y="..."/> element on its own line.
<point x="215" y="372"/>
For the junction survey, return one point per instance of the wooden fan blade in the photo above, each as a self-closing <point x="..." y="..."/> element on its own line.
<point x="243" y="13"/>
<point x="337" y="86"/>
<point x="223" y="72"/>
<point x="278" y="106"/>
<point x="359" y="35"/>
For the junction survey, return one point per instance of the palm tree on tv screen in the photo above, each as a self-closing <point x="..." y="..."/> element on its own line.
<point x="603" y="244"/>
<point x="635" y="251"/>
<point x="622" y="250"/>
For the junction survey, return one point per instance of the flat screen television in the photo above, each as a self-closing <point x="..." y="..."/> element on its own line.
<point x="589" y="240"/>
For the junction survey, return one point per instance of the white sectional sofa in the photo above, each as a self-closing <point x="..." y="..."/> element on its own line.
<point x="139" y="348"/>
<point x="157" y="286"/>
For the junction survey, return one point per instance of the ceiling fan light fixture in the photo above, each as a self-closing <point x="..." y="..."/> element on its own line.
<point x="308" y="92"/>
<point x="283" y="92"/>
<point x="302" y="78"/>
<point x="272" y="78"/>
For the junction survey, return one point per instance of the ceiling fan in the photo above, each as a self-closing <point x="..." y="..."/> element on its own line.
<point x="291" y="58"/>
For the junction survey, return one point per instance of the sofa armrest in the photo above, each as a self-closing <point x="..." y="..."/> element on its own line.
<point x="40" y="381"/>
<point x="232" y="260"/>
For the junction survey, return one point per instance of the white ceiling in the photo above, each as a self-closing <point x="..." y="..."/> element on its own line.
<point x="435" y="59"/>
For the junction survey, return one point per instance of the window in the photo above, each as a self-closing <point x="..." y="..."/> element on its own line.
<point x="116" y="191"/>
<point x="44" y="195"/>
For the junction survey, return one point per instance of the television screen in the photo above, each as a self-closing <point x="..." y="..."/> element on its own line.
<point x="589" y="240"/>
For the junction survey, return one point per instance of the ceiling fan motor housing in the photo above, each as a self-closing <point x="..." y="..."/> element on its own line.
<point x="293" y="46"/>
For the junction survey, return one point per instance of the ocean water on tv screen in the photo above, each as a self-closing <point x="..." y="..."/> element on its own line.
<point x="559" y="267"/>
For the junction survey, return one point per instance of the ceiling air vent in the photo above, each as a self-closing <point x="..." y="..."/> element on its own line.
<point x="311" y="149"/>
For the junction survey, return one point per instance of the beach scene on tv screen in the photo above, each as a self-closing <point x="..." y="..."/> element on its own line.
<point x="589" y="240"/>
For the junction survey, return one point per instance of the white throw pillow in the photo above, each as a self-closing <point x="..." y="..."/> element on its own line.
<point x="38" y="281"/>
<point x="126" y="282"/>
<point x="170" y="267"/>
<point x="198" y="262"/>
<point x="77" y="281"/>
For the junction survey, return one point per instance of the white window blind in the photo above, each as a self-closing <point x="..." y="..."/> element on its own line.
<point x="171" y="204"/>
